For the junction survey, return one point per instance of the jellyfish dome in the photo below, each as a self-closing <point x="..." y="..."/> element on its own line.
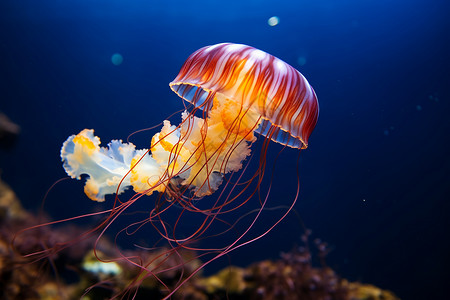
<point x="264" y="84"/>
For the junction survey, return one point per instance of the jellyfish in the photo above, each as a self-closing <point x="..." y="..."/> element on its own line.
<point x="233" y="95"/>
<point x="241" y="91"/>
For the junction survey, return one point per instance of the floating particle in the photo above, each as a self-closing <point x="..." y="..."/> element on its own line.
<point x="301" y="60"/>
<point x="431" y="97"/>
<point x="273" y="21"/>
<point x="116" y="59"/>
<point x="418" y="107"/>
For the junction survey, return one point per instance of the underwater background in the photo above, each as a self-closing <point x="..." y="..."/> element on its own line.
<point x="375" y="179"/>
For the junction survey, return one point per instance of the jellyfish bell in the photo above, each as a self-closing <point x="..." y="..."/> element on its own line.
<point x="234" y="93"/>
<point x="251" y="79"/>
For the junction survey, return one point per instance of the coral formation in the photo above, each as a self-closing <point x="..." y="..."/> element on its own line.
<point x="96" y="276"/>
<point x="292" y="277"/>
<point x="9" y="132"/>
<point x="18" y="279"/>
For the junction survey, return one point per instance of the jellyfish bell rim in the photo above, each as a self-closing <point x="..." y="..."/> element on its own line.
<point x="259" y="81"/>
<point x="263" y="127"/>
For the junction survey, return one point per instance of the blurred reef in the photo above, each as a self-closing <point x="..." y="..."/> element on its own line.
<point x="76" y="273"/>
<point x="9" y="132"/>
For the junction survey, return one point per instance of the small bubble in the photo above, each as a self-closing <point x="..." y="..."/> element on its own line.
<point x="301" y="60"/>
<point x="117" y="59"/>
<point x="273" y="21"/>
<point x="435" y="99"/>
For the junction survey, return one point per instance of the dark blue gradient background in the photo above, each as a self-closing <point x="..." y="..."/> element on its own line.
<point x="375" y="181"/>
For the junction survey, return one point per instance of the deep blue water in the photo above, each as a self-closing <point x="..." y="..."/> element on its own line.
<point x="375" y="181"/>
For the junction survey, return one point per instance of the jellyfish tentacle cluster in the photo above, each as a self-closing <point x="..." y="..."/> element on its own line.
<point x="195" y="153"/>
